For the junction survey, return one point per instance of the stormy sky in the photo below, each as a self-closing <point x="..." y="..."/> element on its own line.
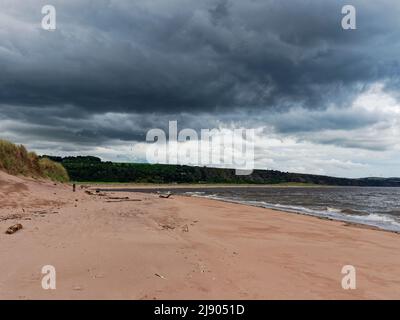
<point x="321" y="99"/>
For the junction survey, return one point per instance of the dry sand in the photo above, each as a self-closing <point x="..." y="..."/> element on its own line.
<point x="181" y="248"/>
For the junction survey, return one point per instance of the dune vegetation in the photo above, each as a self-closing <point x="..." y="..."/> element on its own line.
<point x="16" y="160"/>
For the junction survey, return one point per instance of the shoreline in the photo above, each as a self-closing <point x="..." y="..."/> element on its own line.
<point x="114" y="245"/>
<point x="134" y="185"/>
<point x="191" y="188"/>
<point x="355" y="224"/>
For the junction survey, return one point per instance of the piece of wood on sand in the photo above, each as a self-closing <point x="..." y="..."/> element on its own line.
<point x="14" y="228"/>
<point x="166" y="196"/>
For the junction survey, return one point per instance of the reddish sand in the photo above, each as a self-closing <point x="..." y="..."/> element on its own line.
<point x="181" y="248"/>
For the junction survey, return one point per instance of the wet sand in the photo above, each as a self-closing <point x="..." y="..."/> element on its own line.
<point x="109" y="246"/>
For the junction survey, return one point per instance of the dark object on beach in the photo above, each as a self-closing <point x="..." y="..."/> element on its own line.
<point x="98" y="193"/>
<point x="185" y="228"/>
<point x="165" y="196"/>
<point x="11" y="217"/>
<point x="118" y="198"/>
<point x="167" y="227"/>
<point x="74" y="187"/>
<point x="125" y="200"/>
<point x="160" y="276"/>
<point x="14" y="228"/>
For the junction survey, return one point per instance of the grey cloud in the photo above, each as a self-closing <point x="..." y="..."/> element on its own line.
<point x="114" y="69"/>
<point x="210" y="56"/>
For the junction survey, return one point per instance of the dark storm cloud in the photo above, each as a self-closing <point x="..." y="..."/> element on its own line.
<point x="136" y="57"/>
<point x="164" y="59"/>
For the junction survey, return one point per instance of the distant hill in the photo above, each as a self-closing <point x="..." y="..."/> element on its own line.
<point x="92" y="169"/>
<point x="16" y="160"/>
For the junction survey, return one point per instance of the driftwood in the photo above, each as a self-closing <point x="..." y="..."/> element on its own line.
<point x="12" y="217"/>
<point x="98" y="193"/>
<point x="42" y="213"/>
<point x="165" y="196"/>
<point x="118" y="198"/>
<point x="125" y="200"/>
<point x="14" y="228"/>
<point x="167" y="227"/>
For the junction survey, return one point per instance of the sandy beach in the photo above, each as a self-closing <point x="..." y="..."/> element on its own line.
<point x="117" y="245"/>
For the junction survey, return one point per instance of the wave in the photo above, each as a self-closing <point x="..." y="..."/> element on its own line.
<point x="195" y="193"/>
<point x="353" y="212"/>
<point x="381" y="221"/>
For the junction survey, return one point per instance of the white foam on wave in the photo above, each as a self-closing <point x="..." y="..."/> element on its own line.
<point x="376" y="220"/>
<point x="195" y="193"/>
<point x="329" y="209"/>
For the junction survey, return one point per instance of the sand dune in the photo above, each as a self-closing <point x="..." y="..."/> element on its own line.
<point x="106" y="246"/>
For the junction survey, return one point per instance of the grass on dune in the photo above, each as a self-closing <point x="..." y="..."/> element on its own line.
<point x="53" y="170"/>
<point x="16" y="160"/>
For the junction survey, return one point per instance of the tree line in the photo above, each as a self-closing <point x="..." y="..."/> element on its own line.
<point x="93" y="169"/>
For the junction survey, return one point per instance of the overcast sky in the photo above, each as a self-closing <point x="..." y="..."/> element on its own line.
<point x="322" y="99"/>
